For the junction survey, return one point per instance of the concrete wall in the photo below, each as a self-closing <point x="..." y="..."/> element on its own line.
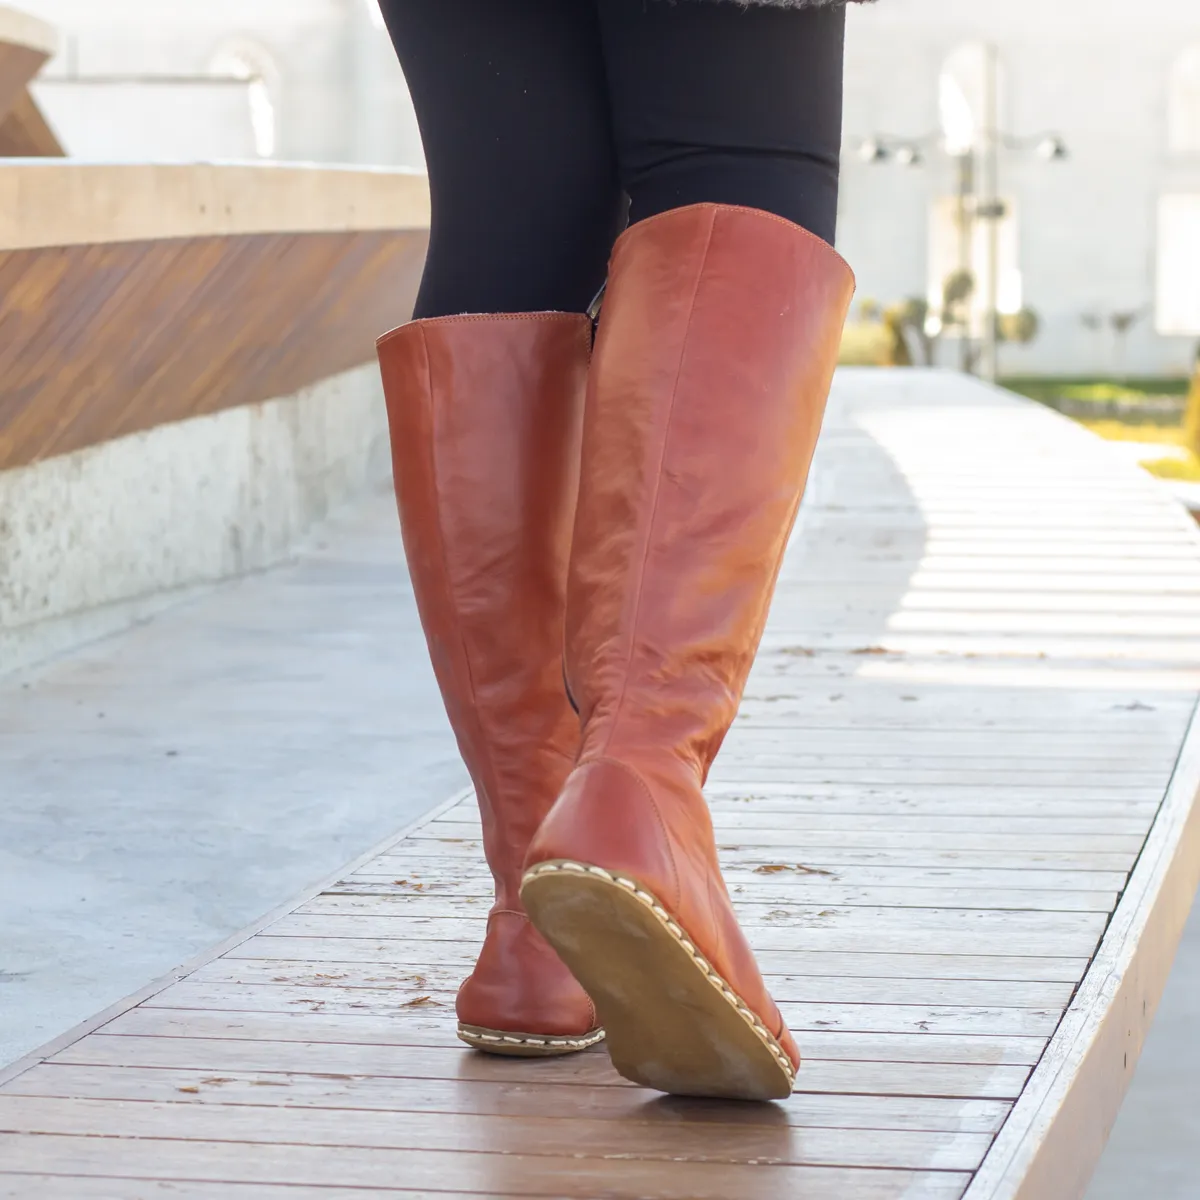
<point x="174" y="121"/>
<point x="93" y="540"/>
<point x="1090" y="69"/>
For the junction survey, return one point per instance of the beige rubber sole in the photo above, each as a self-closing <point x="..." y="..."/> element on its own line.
<point x="672" y="1022"/>
<point x="525" y="1045"/>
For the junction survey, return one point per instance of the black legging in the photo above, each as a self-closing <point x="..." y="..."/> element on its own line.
<point x="543" y="119"/>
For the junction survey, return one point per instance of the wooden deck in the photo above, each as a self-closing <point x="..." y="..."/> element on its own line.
<point x="958" y="814"/>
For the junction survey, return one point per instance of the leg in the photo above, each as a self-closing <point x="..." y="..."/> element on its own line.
<point x="484" y="412"/>
<point x="712" y="102"/>
<point x="715" y="351"/>
<point x="510" y="99"/>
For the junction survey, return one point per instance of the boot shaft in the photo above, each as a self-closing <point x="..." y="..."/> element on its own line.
<point x="716" y="349"/>
<point x="484" y="416"/>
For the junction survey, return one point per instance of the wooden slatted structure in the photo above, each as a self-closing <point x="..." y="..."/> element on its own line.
<point x="135" y="295"/>
<point x="958" y="815"/>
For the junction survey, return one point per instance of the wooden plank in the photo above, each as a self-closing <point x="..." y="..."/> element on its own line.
<point x="999" y="622"/>
<point x="220" y="322"/>
<point x="219" y="1057"/>
<point x="534" y="1098"/>
<point x="429" y="875"/>
<point x="428" y="1024"/>
<point x="495" y="1174"/>
<point x="1063" y="745"/>
<point x="899" y="803"/>
<point x="385" y="921"/>
<point x="1162" y="582"/>
<point x="749" y="773"/>
<point x="297" y="981"/>
<point x="910" y="939"/>
<point x="647" y="1137"/>
<point x="365" y="896"/>
<point x="824" y="857"/>
<point x="77" y="1187"/>
<point x="870" y="1012"/>
<point x="820" y="710"/>
<point x="786" y="962"/>
<point x="142" y="1033"/>
<point x="751" y="819"/>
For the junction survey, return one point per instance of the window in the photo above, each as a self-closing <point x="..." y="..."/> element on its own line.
<point x="960" y="288"/>
<point x="253" y="65"/>
<point x="1183" y="105"/>
<point x="970" y="87"/>
<point x="1178" y="301"/>
<point x="956" y="247"/>
<point x="961" y="98"/>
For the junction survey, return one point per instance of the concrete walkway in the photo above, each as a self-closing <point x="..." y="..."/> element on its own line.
<point x="165" y="787"/>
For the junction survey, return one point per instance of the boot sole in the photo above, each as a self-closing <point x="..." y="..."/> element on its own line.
<point x="672" y="1022"/>
<point x="525" y="1045"/>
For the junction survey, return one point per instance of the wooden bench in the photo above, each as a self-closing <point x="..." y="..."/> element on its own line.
<point x="958" y="813"/>
<point x="135" y="295"/>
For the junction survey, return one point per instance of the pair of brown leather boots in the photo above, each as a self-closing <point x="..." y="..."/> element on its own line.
<point x="602" y="532"/>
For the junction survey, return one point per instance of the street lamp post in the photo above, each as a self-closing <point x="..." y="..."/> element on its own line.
<point x="991" y="210"/>
<point x="977" y="168"/>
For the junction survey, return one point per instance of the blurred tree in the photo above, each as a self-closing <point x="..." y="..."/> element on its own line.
<point x="1119" y="323"/>
<point x="957" y="290"/>
<point x="895" y="321"/>
<point x="1020" y="327"/>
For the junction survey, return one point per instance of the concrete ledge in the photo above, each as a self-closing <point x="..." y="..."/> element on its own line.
<point x="93" y="540"/>
<point x="64" y="203"/>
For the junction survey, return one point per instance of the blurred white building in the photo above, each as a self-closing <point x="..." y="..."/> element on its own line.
<point x="1112" y="229"/>
<point x="199" y="79"/>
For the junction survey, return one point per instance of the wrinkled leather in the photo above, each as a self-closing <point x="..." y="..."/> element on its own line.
<point x="716" y="349"/>
<point x="484" y="414"/>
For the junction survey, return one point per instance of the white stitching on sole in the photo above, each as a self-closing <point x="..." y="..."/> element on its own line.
<point x="649" y="901"/>
<point x="549" y="1042"/>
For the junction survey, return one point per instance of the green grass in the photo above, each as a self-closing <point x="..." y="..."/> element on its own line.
<point x="1046" y="388"/>
<point x="1148" y="430"/>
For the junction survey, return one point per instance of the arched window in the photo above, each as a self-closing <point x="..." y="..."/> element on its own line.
<point x="962" y="97"/>
<point x="970" y="88"/>
<point x="246" y="61"/>
<point x="1183" y="105"/>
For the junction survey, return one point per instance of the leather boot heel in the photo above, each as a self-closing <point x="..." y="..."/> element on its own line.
<point x="672" y="1022"/>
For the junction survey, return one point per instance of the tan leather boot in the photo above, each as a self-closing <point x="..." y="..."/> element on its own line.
<point x="716" y="349"/>
<point x="484" y="414"/>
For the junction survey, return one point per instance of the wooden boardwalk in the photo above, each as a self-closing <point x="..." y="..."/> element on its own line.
<point x="958" y="814"/>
